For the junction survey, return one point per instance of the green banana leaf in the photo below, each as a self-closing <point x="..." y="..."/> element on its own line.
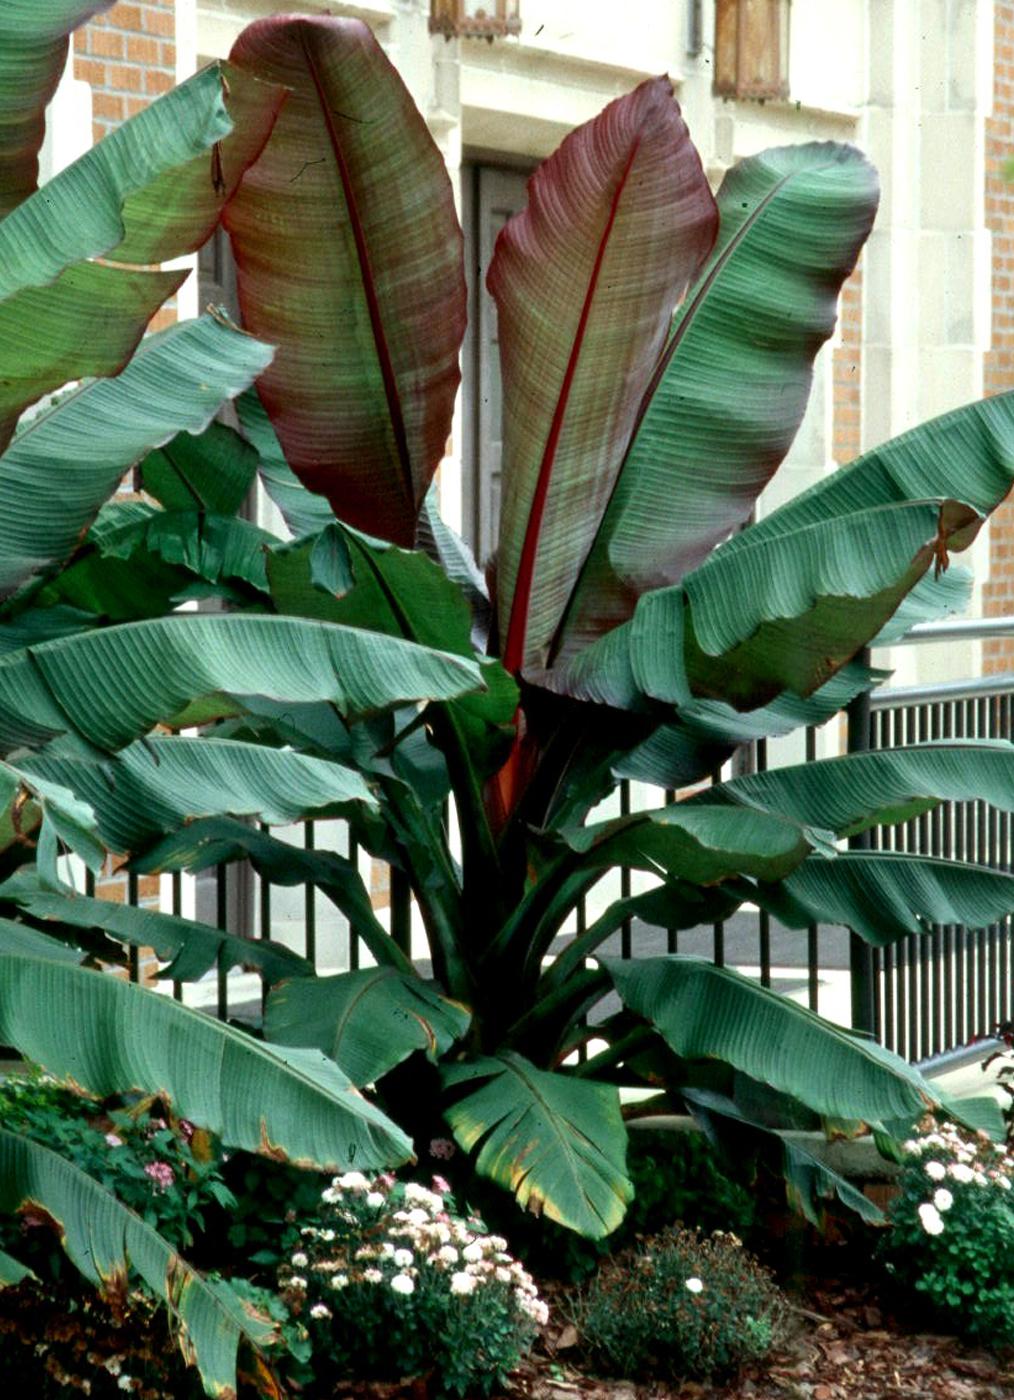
<point x="698" y="843"/>
<point x="215" y="841"/>
<point x="619" y="222"/>
<point x="857" y="791"/>
<point x="190" y="949"/>
<point x="352" y="187"/>
<point x="556" y="1142"/>
<point x="86" y="685"/>
<point x="159" y="784"/>
<point x="12" y="1272"/>
<point x="367" y="1021"/>
<point x="731" y="387"/>
<point x="304" y="512"/>
<point x="33" y="51"/>
<point x="22" y="938"/>
<point x="214" y="547"/>
<point x="708" y="1012"/>
<point x="808" y="1181"/>
<point x="967" y="455"/>
<point x="107" y="1241"/>
<point x="111" y="1036"/>
<point x="447" y="549"/>
<point x="29" y="800"/>
<point x="70" y="459"/>
<point x="212" y="472"/>
<point x="86" y="324"/>
<point x="884" y="895"/>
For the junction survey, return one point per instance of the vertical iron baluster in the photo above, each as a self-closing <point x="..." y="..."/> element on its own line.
<point x="133" y="952"/>
<point x="177" y="883"/>
<point x="671" y="934"/>
<point x="353" y="936"/>
<point x="812" y="934"/>
<point x="310" y="900"/>
<point x="625" y="939"/>
<point x="222" y="919"/>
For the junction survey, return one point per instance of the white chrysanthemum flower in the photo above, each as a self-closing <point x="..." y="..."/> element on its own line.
<point x="1003" y="1182"/>
<point x="930" y="1219"/>
<point x="447" y="1254"/>
<point x="375" y="1199"/>
<point x="298" y="1282"/>
<point x="340" y="1281"/>
<point x="403" y="1258"/>
<point x="320" y="1310"/>
<point x="300" y="1260"/>
<point x="401" y="1283"/>
<point x="327" y="1236"/>
<point x="694" y="1285"/>
<point x="942" y="1199"/>
<point x="958" y="1171"/>
<point x="502" y="1275"/>
<point x="416" y="1217"/>
<point x="331" y="1196"/>
<point x="372" y="1275"/>
<point x="472" y="1252"/>
<point x="353" y="1181"/>
<point x="463" y="1284"/>
<point x="936" y="1171"/>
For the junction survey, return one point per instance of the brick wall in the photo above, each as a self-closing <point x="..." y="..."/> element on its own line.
<point x="128" y="57"/>
<point x="846" y="362"/>
<point x="999" y="362"/>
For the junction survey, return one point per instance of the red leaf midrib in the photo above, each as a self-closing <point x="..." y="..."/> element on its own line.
<point x="369" y="285"/>
<point x="514" y="651"/>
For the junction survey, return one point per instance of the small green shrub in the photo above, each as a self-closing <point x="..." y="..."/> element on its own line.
<point x="679" y="1305"/>
<point x="161" y="1167"/>
<point x="952" y="1236"/>
<point x="390" y="1284"/>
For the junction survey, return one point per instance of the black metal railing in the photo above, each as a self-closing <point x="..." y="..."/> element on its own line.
<point x="922" y="997"/>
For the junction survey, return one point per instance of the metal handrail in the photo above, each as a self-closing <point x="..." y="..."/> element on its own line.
<point x="981" y="689"/>
<point x="961" y="629"/>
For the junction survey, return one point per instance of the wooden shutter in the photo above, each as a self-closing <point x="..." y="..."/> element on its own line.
<point x="752" y="48"/>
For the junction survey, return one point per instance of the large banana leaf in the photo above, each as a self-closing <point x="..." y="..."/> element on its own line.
<point x="732" y="385"/>
<point x="967" y="455"/>
<point x="88" y="685"/>
<point x="33" y="51"/>
<point x="883" y="896"/>
<point x="159" y="784"/>
<point x="106" y="1241"/>
<point x="69" y="460"/>
<point x="702" y="844"/>
<point x="619" y="222"/>
<point x="557" y="1142"/>
<point x="860" y="790"/>
<point x="111" y="1036"/>
<point x="786" y="612"/>
<point x="190" y="948"/>
<point x="216" y="548"/>
<point x="708" y="1012"/>
<point x="351" y="187"/>
<point x="366" y="1021"/>
<point x="22" y="938"/>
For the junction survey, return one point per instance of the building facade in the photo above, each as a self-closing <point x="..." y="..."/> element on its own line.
<point x="925" y="87"/>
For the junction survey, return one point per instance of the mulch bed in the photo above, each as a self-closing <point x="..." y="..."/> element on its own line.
<point x="842" y="1347"/>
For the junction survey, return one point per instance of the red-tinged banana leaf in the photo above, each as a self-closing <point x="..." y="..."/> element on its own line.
<point x="352" y="191"/>
<point x="619" y="222"/>
<point x="732" y="385"/>
<point x="33" y="51"/>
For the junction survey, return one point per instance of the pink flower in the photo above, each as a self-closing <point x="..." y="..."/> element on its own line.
<point x="442" y="1148"/>
<point x="113" y="1140"/>
<point x="161" y="1173"/>
<point x="186" y="1130"/>
<point x="441" y="1186"/>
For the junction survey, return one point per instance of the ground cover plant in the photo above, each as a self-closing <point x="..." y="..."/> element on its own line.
<point x="657" y="346"/>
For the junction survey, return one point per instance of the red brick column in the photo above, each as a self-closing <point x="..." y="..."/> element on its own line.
<point x="999" y="362"/>
<point x="846" y="442"/>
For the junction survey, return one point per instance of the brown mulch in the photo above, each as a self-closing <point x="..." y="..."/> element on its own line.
<point x="841" y="1347"/>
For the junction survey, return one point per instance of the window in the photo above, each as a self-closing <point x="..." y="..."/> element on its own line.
<point x="752" y="48"/>
<point x="474" y="19"/>
<point x="489" y="196"/>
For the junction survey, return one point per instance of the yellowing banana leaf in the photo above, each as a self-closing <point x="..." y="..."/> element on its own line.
<point x="366" y="1021"/>
<point x="558" y="1143"/>
<point x="107" y="1241"/>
